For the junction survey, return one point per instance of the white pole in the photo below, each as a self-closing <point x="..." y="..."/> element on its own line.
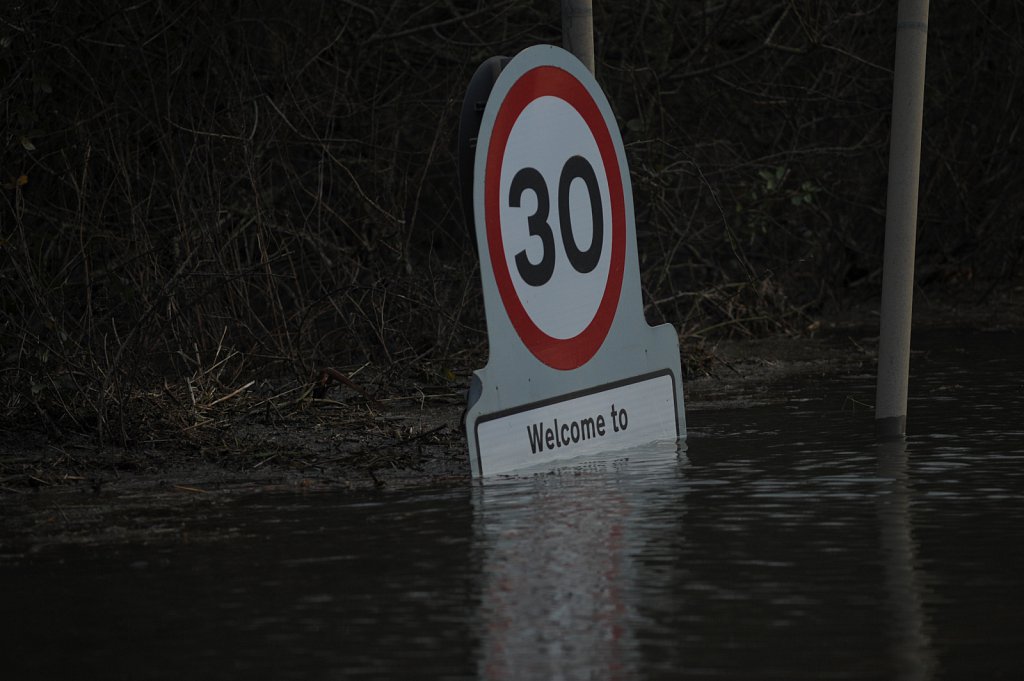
<point x="578" y="30"/>
<point x="901" y="219"/>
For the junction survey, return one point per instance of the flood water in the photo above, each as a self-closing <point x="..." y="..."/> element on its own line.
<point x="782" y="543"/>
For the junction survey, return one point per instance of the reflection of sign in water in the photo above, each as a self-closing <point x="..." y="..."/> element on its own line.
<point x="566" y="565"/>
<point x="553" y="213"/>
<point x="554" y="604"/>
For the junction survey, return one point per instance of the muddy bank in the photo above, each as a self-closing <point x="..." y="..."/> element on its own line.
<point x="75" y="493"/>
<point x="72" y="491"/>
<point x="341" y="441"/>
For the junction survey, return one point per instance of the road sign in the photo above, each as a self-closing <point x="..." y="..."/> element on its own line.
<point x="554" y="225"/>
<point x="554" y="162"/>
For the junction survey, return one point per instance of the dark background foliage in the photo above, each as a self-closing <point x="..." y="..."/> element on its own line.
<point x="274" y="182"/>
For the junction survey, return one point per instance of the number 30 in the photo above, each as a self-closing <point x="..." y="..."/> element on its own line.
<point x="577" y="167"/>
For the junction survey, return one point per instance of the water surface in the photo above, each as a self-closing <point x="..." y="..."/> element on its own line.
<point x="783" y="542"/>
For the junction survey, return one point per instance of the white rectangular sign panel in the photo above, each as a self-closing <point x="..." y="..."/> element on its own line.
<point x="609" y="417"/>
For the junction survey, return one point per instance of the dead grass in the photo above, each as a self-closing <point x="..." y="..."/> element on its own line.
<point x="203" y="207"/>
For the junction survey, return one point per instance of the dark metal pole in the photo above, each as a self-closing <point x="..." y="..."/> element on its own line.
<point x="901" y="219"/>
<point x="578" y="30"/>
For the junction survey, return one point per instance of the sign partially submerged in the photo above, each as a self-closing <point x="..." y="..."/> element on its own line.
<point x="574" y="368"/>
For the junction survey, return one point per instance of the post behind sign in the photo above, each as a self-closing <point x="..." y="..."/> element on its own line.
<point x="578" y="30"/>
<point x="901" y="220"/>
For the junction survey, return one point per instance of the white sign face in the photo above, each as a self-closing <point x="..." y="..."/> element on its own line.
<point x="600" y="420"/>
<point x="552" y="171"/>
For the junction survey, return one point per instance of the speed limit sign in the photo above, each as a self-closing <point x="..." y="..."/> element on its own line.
<point x="553" y="215"/>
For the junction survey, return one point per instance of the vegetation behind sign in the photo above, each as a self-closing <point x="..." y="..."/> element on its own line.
<point x="194" y="195"/>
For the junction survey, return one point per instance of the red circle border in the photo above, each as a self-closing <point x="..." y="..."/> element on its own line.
<point x="559" y="353"/>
